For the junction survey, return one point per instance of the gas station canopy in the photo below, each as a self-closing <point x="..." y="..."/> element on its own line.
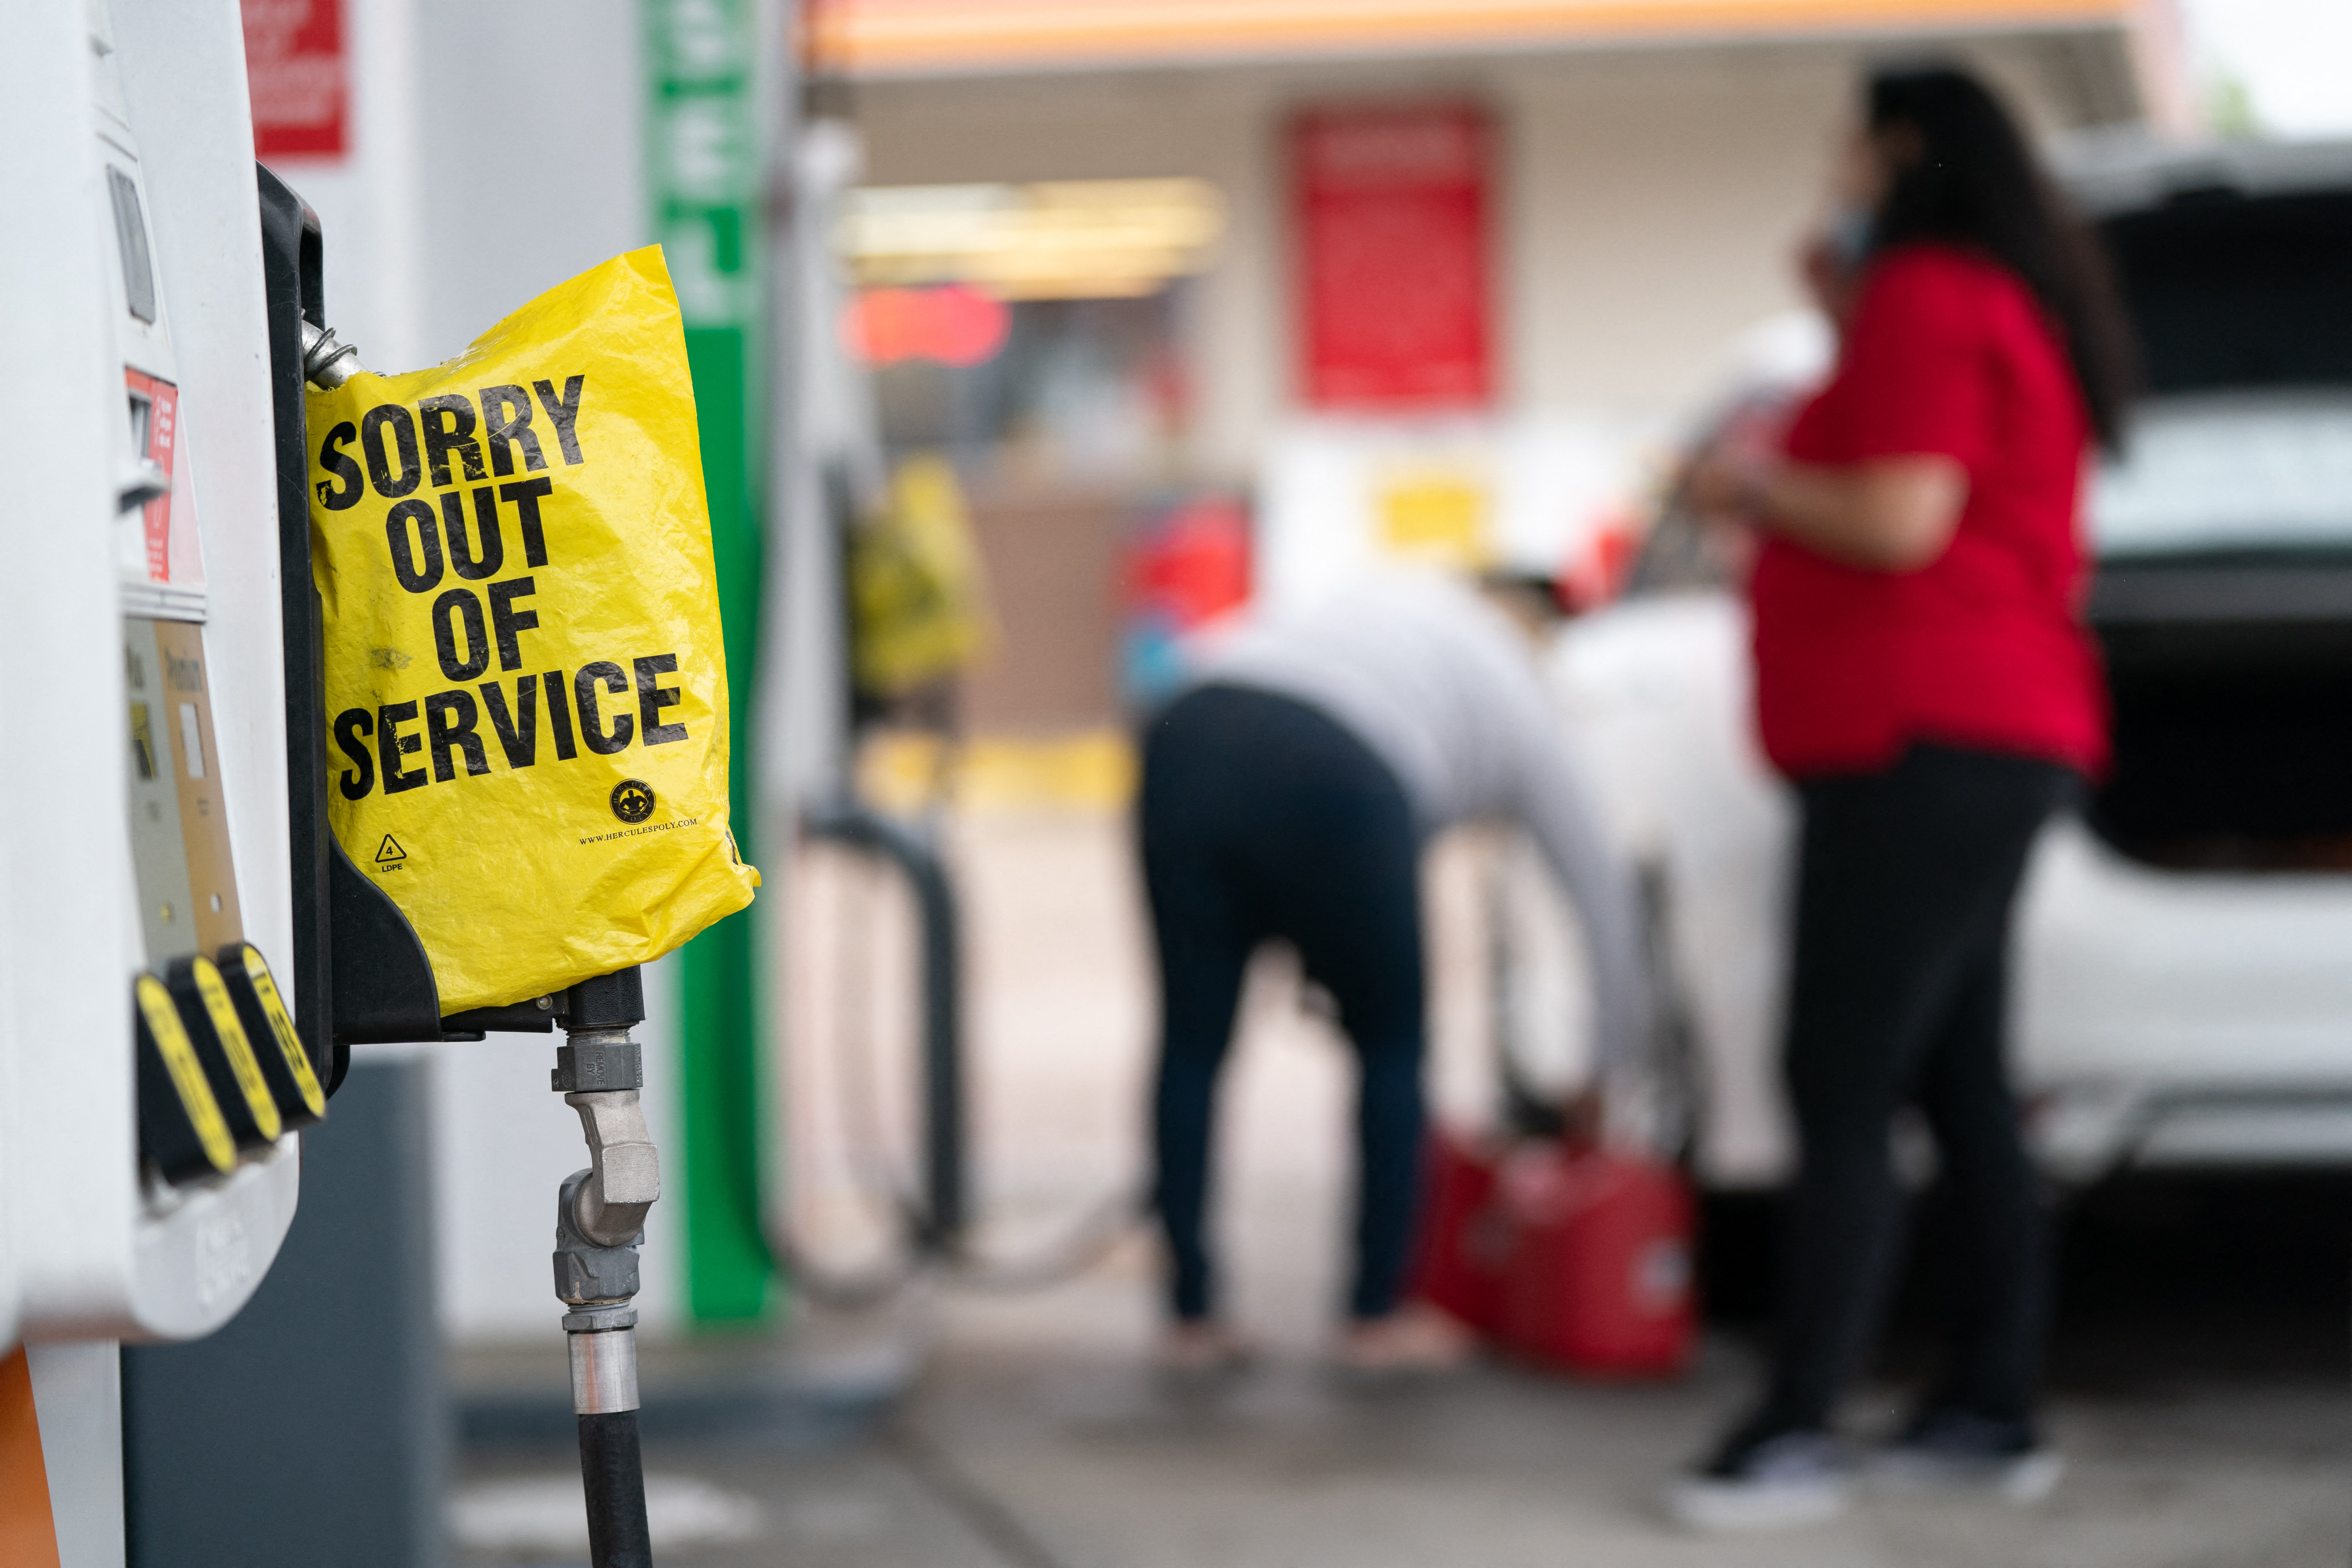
<point x="913" y="37"/>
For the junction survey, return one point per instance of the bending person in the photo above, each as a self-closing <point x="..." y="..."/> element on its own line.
<point x="1287" y="793"/>
<point x="1924" y="677"/>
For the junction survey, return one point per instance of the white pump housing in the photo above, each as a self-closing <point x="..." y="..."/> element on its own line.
<point x="138" y="105"/>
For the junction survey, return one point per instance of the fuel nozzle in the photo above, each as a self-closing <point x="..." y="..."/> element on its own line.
<point x="222" y="1072"/>
<point x="182" y="1133"/>
<point x="225" y="1050"/>
<point x="284" y="1061"/>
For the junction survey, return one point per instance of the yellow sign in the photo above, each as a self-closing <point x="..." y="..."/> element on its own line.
<point x="1434" y="514"/>
<point x="919" y="607"/>
<point x="526" y="686"/>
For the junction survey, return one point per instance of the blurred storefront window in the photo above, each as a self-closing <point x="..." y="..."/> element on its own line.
<point x="1055" y="392"/>
<point x="1033" y="336"/>
<point x="1030" y="331"/>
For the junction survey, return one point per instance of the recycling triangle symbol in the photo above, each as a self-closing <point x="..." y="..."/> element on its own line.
<point x="390" y="851"/>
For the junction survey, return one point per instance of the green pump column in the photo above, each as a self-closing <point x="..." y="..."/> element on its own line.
<point x="704" y="177"/>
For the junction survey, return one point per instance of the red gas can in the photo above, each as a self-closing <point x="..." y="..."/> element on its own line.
<point x="1458" y="1254"/>
<point x="1597" y="1277"/>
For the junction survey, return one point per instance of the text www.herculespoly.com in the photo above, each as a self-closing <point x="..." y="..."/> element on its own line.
<point x="649" y="827"/>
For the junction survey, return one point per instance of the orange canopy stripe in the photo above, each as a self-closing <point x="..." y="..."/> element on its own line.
<point x="916" y="36"/>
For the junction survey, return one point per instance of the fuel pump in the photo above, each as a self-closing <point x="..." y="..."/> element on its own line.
<point x="161" y="1030"/>
<point x="187" y="951"/>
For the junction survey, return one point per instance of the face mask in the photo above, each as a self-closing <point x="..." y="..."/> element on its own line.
<point x="1849" y="234"/>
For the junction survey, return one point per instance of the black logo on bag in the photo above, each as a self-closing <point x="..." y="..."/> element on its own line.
<point x="633" y="800"/>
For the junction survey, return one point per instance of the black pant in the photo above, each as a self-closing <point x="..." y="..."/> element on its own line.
<point x="1905" y="887"/>
<point x="1263" y="819"/>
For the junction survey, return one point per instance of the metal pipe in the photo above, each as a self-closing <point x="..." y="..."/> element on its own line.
<point x="624" y="1173"/>
<point x="600" y="1215"/>
<point x="326" y="362"/>
<point x="603" y="1361"/>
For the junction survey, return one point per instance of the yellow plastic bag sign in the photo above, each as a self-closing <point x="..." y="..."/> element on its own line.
<point x="526" y="688"/>
<point x="918" y="606"/>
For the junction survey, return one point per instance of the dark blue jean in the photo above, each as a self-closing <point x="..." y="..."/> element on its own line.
<point x="1263" y="819"/>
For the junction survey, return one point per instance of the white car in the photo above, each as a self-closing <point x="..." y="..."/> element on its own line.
<point x="2182" y="994"/>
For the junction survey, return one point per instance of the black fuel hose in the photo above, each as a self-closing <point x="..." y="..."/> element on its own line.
<point x="614" y="1473"/>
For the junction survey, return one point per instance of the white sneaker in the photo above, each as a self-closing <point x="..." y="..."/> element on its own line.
<point x="1201" y="1351"/>
<point x="1415" y="1342"/>
<point x="1779" y="1483"/>
<point x="1957" y="1451"/>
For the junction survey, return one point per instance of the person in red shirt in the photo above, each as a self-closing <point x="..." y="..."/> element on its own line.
<point x="1924" y="676"/>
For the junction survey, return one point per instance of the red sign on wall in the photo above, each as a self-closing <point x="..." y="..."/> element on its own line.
<point x="294" y="65"/>
<point x="1394" y="312"/>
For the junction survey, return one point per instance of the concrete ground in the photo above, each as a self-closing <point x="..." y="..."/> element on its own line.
<point x="1036" y="1439"/>
<point x="2199" y="1378"/>
<point x="2177" y="1459"/>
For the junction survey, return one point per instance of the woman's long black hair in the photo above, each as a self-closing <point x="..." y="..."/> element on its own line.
<point x="1969" y="180"/>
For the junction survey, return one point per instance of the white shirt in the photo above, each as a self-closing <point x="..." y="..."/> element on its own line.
<point x="1440" y="686"/>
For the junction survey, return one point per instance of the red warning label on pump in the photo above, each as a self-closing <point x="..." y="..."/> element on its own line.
<point x="154" y="433"/>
